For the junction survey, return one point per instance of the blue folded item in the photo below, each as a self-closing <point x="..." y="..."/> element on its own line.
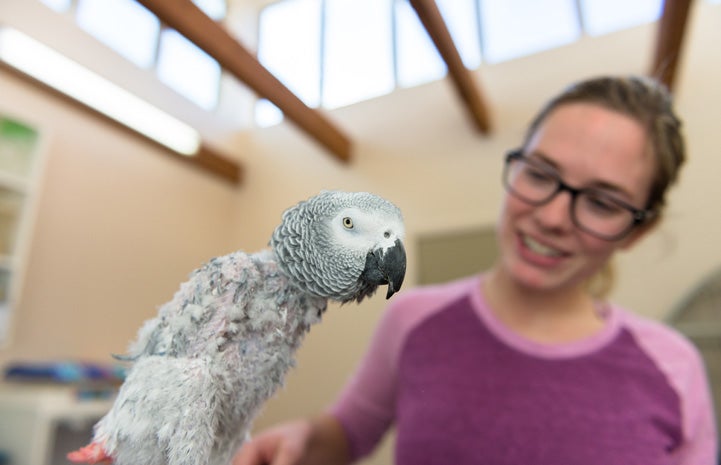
<point x="64" y="372"/>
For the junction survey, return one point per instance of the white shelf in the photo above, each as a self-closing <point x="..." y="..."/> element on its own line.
<point x="31" y="414"/>
<point x="22" y="153"/>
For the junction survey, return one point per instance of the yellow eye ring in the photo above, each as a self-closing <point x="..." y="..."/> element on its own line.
<point x="347" y="222"/>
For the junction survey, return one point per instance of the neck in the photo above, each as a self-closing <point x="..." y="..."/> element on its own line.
<point x="549" y="316"/>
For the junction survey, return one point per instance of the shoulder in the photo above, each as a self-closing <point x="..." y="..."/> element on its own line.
<point x="682" y="364"/>
<point x="658" y="338"/>
<point x="409" y="308"/>
<point x="672" y="352"/>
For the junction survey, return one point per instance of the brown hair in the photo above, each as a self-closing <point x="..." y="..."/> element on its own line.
<point x="643" y="99"/>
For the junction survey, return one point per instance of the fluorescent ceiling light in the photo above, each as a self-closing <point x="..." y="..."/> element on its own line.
<point x="59" y="72"/>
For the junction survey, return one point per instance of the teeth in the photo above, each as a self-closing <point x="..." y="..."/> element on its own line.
<point x="540" y="248"/>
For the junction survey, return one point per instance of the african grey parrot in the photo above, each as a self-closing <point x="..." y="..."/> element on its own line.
<point x="221" y="347"/>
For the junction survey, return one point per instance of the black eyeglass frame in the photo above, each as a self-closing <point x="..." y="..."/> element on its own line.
<point x="639" y="216"/>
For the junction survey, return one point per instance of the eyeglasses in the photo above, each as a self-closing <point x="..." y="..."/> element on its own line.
<point x="592" y="210"/>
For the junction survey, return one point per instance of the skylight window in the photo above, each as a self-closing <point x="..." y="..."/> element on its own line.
<point x="293" y="56"/>
<point x="368" y="48"/>
<point x="215" y="9"/>
<point x="417" y="57"/>
<point x="58" y="5"/>
<point x="187" y="69"/>
<point x="110" y="22"/>
<point x="354" y="69"/>
<point x="418" y="60"/>
<point x="267" y="114"/>
<point x="136" y="34"/>
<point x="605" y="16"/>
<point x="515" y="28"/>
<point x="461" y="16"/>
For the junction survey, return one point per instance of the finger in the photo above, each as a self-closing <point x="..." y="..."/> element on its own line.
<point x="288" y="453"/>
<point x="262" y="450"/>
<point x="249" y="454"/>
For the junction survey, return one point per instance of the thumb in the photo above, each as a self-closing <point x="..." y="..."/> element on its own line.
<point x="289" y="452"/>
<point x="285" y="445"/>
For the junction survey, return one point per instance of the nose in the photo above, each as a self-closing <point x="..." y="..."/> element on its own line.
<point x="555" y="215"/>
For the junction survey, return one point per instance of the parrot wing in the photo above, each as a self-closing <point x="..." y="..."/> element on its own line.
<point x="206" y="311"/>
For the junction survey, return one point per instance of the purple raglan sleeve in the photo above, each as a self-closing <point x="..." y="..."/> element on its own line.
<point x="366" y="406"/>
<point x="682" y="364"/>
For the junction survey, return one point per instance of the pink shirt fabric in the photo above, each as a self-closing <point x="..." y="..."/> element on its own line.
<point x="461" y="388"/>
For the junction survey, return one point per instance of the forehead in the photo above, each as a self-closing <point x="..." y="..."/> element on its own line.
<point x="591" y="145"/>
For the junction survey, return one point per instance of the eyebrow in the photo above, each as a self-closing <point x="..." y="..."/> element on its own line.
<point x="595" y="185"/>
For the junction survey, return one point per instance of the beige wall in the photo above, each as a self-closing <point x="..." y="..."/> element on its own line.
<point x="119" y="225"/>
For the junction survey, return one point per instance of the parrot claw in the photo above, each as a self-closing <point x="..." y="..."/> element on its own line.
<point x="92" y="453"/>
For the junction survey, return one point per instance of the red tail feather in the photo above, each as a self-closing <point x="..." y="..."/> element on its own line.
<point x="92" y="453"/>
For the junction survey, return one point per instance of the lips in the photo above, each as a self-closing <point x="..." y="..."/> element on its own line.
<point x="539" y="248"/>
<point x="540" y="254"/>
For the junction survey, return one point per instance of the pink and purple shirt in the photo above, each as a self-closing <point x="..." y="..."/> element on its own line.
<point x="462" y="389"/>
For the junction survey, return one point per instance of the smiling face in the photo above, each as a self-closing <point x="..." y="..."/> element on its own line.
<point x="588" y="146"/>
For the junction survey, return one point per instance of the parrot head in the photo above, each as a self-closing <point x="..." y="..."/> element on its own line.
<point x="342" y="245"/>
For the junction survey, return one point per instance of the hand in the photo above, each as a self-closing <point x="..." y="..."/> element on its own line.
<point x="286" y="444"/>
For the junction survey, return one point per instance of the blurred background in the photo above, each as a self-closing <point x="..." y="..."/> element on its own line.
<point x="102" y="218"/>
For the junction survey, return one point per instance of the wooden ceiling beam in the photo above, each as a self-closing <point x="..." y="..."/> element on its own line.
<point x="185" y="17"/>
<point x="669" y="40"/>
<point x="462" y="78"/>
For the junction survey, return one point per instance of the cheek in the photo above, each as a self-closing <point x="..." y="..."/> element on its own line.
<point x="511" y="210"/>
<point x="503" y="222"/>
<point x="512" y="207"/>
<point x="596" y="250"/>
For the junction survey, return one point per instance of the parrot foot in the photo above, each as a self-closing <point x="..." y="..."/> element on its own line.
<point x="92" y="453"/>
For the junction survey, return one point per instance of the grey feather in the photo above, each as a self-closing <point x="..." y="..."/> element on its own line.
<point x="221" y="347"/>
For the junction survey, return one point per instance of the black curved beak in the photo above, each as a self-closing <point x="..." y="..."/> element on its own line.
<point x="387" y="267"/>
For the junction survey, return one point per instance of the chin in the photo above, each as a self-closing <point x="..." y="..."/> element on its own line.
<point x="535" y="279"/>
<point x="533" y="282"/>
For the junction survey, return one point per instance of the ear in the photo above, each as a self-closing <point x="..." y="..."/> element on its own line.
<point x="641" y="231"/>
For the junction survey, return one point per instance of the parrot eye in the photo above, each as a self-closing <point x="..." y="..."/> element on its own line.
<point x="347" y="222"/>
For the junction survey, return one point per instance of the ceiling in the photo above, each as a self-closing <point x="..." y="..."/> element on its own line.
<point x="235" y="59"/>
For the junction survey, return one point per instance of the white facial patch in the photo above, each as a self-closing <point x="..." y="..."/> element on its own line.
<point x="364" y="230"/>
